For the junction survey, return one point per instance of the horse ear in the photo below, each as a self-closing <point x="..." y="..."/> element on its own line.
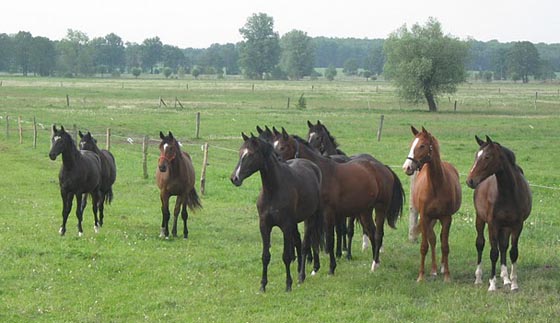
<point x="488" y="140"/>
<point x="318" y="122"/>
<point x="267" y="129"/>
<point x="80" y="134"/>
<point x="170" y="135"/>
<point x="161" y="135"/>
<point x="414" y="131"/>
<point x="89" y="133"/>
<point x="259" y="130"/>
<point x="62" y="128"/>
<point x="424" y="130"/>
<point x="479" y="141"/>
<point x="309" y="124"/>
<point x="284" y="133"/>
<point x="253" y="136"/>
<point x="275" y="131"/>
<point x="54" y="128"/>
<point x="244" y="136"/>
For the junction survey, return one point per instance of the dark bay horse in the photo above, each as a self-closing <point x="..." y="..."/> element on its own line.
<point x="354" y="188"/>
<point x="175" y="177"/>
<point x="436" y="195"/>
<point x="290" y="193"/>
<point x="80" y="174"/>
<point x="108" y="171"/>
<point x="502" y="200"/>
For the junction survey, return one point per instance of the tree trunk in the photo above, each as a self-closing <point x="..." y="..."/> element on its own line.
<point x="431" y="102"/>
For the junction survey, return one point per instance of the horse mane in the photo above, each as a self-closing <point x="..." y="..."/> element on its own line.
<point x="331" y="137"/>
<point x="511" y="157"/>
<point x="302" y="141"/>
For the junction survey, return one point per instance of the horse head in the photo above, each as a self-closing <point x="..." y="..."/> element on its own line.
<point x="87" y="142"/>
<point x="252" y="154"/>
<point x="285" y="145"/>
<point x="265" y="134"/>
<point x="487" y="161"/>
<point x="421" y="151"/>
<point x="59" y="141"/>
<point x="316" y="134"/>
<point x="168" y="151"/>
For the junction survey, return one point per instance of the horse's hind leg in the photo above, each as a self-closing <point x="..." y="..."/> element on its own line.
<point x="367" y="223"/>
<point x="298" y="247"/>
<point x="480" y="224"/>
<point x="445" y="227"/>
<point x="102" y="197"/>
<point x="379" y="233"/>
<point x="265" y="236"/>
<point x="350" y="235"/>
<point x="79" y="213"/>
<point x="288" y="254"/>
<point x="185" y="217"/>
<point x="513" y="254"/>
<point x="503" y="245"/>
<point x="178" y="204"/>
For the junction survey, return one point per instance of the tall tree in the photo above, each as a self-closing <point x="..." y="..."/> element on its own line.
<point x="298" y="54"/>
<point x="132" y="56"/>
<point x="22" y="49"/>
<point x="152" y="49"/>
<point x="523" y="60"/>
<point x="173" y="57"/>
<point x="424" y="63"/>
<point x="375" y="59"/>
<point x="259" y="52"/>
<point x="42" y="56"/>
<point x="6" y="52"/>
<point x="74" y="54"/>
<point x="108" y="52"/>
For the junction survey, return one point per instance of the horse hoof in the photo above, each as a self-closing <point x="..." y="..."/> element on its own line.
<point x="478" y="281"/>
<point x="80" y="234"/>
<point x="96" y="228"/>
<point x="514" y="287"/>
<point x="313" y="273"/>
<point x="374" y="266"/>
<point x="61" y="231"/>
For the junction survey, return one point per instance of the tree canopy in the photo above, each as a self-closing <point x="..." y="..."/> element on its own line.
<point x="259" y="52"/>
<point x="298" y="55"/>
<point x="523" y="60"/>
<point x="423" y="62"/>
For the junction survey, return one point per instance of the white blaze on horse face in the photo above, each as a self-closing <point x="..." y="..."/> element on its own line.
<point x="276" y="143"/>
<point x="408" y="162"/>
<point x="311" y="135"/>
<point x="478" y="156"/>
<point x="165" y="147"/>
<point x="245" y="152"/>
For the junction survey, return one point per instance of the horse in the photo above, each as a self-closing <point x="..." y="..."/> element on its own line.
<point x="319" y="137"/>
<point x="503" y="200"/>
<point x="436" y="195"/>
<point x="175" y="177"/>
<point x="79" y="174"/>
<point x="290" y="193"/>
<point x="108" y="170"/>
<point x="355" y="189"/>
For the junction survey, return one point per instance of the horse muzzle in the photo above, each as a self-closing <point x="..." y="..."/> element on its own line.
<point x="235" y="180"/>
<point x="162" y="168"/>
<point x="52" y="156"/>
<point x="472" y="183"/>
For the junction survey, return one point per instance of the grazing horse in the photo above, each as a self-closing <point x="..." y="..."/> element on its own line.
<point x="290" y="193"/>
<point x="175" y="177"/>
<point x="354" y="188"/>
<point x="503" y="200"/>
<point x="108" y="171"/>
<point x="80" y="174"/>
<point x="436" y="195"/>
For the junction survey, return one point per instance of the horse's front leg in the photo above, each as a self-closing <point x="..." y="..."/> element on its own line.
<point x="79" y="213"/>
<point x="176" y="210"/>
<point x="165" y="215"/>
<point x="95" y="201"/>
<point x="513" y="254"/>
<point x="288" y="254"/>
<point x="503" y="246"/>
<point x="329" y="237"/>
<point x="445" y="228"/>
<point x="67" y="198"/>
<point x="298" y="246"/>
<point x="480" y="241"/>
<point x="265" y="236"/>
<point x="101" y="204"/>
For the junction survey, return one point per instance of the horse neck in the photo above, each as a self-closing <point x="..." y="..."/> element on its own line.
<point x="508" y="178"/>
<point x="70" y="155"/>
<point x="435" y="167"/>
<point x="270" y="173"/>
<point x="305" y="151"/>
<point x="329" y="147"/>
<point x="177" y="162"/>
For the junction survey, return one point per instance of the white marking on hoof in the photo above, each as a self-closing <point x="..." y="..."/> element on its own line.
<point x="80" y="234"/>
<point x="313" y="273"/>
<point x="492" y="286"/>
<point x="60" y="232"/>
<point x="478" y="275"/>
<point x="513" y="277"/>
<point x="505" y="276"/>
<point x="442" y="269"/>
<point x="374" y="266"/>
<point x="365" y="242"/>
<point x="96" y="229"/>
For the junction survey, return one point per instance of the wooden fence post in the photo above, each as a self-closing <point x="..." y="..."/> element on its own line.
<point x="7" y="126"/>
<point x="34" y="133"/>
<point x="20" y="130"/>
<point x="67" y="100"/>
<point x="203" y="172"/>
<point x="145" y="156"/>
<point x="380" y="128"/>
<point x="108" y="140"/>
<point x="288" y="105"/>
<point x="75" y="131"/>
<point x="455" y="106"/>
<point x="197" y="125"/>
<point x="412" y="213"/>
<point x="253" y="87"/>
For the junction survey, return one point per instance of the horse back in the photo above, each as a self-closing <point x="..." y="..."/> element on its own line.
<point x="353" y="186"/>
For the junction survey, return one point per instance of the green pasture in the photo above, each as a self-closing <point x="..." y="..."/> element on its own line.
<point x="126" y="273"/>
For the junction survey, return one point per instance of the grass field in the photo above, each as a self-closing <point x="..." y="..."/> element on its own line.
<point x="126" y="273"/>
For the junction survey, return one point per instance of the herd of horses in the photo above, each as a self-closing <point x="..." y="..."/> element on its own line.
<point x="312" y="181"/>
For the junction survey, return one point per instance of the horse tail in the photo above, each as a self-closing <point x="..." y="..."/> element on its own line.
<point x="109" y="196"/>
<point x="316" y="229"/>
<point x="193" y="201"/>
<point x="397" y="200"/>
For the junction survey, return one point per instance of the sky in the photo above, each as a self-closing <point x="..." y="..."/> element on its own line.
<point x="198" y="24"/>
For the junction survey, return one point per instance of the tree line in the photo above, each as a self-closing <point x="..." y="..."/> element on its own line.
<point x="262" y="54"/>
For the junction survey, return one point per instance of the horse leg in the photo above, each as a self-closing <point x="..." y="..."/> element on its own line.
<point x="340" y="235"/>
<point x="165" y="215"/>
<point x="265" y="236"/>
<point x="176" y="210"/>
<point x="304" y="250"/>
<point x="503" y="246"/>
<point x="350" y="234"/>
<point x="379" y="233"/>
<point x="79" y="213"/>
<point x="445" y="228"/>
<point x="424" y="224"/>
<point x="329" y="237"/>
<point x="101" y="203"/>
<point x="367" y="223"/>
<point x="185" y="217"/>
<point x="67" y="198"/>
<point x="493" y="236"/>
<point x="432" y="241"/>
<point x="480" y="224"/>
<point x="288" y="253"/>
<point x="296" y="242"/>
<point x="95" y="201"/>
<point x="513" y="254"/>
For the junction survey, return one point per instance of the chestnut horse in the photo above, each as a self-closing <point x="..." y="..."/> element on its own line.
<point x="290" y="194"/>
<point x="175" y="177"/>
<point x="354" y="188"/>
<point x="436" y="195"/>
<point x="503" y="200"/>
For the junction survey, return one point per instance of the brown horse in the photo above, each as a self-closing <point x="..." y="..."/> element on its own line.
<point x="290" y="193"/>
<point x="354" y="188"/>
<point x="502" y="199"/>
<point x="436" y="195"/>
<point x="175" y="177"/>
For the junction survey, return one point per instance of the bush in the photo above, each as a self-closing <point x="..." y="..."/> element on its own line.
<point x="136" y="71"/>
<point x="302" y="103"/>
<point x="167" y="72"/>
